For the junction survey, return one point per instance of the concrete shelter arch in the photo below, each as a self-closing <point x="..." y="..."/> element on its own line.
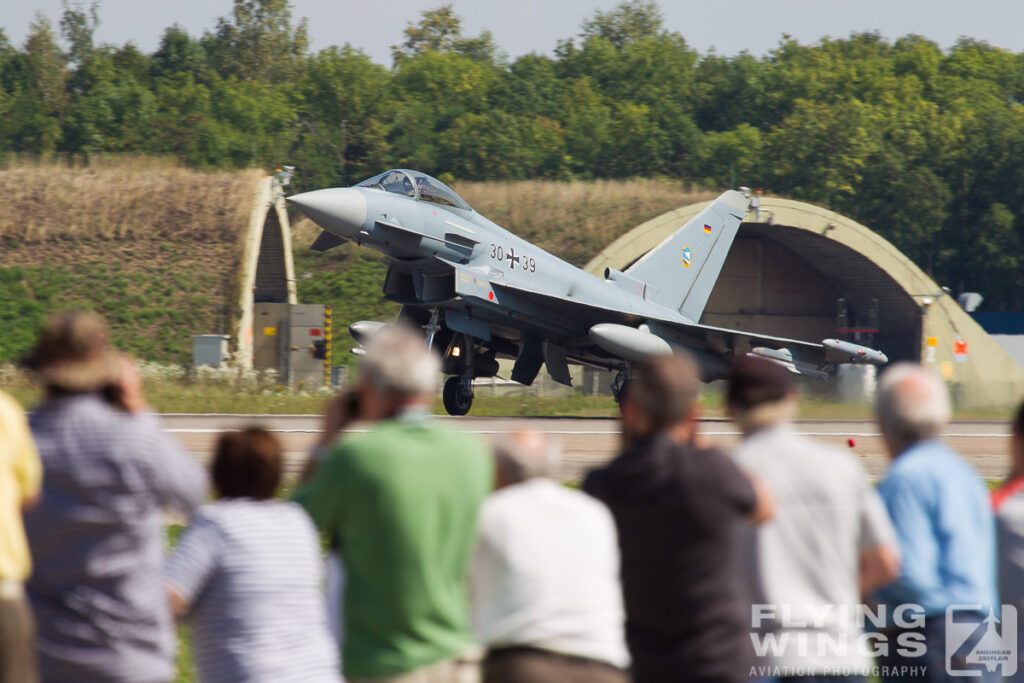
<point x="791" y="263"/>
<point x="267" y="269"/>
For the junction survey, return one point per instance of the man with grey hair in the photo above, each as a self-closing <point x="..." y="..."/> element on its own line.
<point x="547" y="602"/>
<point x="944" y="525"/>
<point x="401" y="503"/>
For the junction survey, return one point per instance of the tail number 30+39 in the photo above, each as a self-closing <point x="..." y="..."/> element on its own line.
<point x="515" y="261"/>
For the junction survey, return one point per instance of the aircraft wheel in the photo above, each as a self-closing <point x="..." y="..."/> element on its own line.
<point x="457" y="395"/>
<point x="619" y="385"/>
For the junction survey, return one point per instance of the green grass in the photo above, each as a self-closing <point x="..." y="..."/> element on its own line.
<point x="173" y="396"/>
<point x="524" y="404"/>
<point x="152" y="314"/>
<point x="168" y="395"/>
<point x="184" y="667"/>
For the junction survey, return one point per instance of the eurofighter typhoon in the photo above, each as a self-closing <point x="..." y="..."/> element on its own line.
<point x="481" y="293"/>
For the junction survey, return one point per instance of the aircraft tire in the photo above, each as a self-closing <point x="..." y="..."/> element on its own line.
<point x="457" y="396"/>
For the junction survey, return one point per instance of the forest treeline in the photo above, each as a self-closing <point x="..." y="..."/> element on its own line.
<point x="924" y="145"/>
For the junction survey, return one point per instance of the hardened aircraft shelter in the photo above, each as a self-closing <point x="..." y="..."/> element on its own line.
<point x="799" y="270"/>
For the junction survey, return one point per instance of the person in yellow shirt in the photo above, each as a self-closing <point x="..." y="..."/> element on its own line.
<point x="20" y="478"/>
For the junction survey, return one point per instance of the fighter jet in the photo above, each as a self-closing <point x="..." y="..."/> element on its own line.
<point x="481" y="293"/>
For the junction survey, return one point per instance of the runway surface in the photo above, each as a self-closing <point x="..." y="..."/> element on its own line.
<point x="588" y="442"/>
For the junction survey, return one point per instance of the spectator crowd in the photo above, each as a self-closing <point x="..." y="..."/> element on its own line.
<point x="411" y="553"/>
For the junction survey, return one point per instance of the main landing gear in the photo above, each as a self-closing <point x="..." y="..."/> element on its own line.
<point x="620" y="383"/>
<point x="458" y="395"/>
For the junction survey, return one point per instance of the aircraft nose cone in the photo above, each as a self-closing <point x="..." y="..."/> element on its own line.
<point x="341" y="211"/>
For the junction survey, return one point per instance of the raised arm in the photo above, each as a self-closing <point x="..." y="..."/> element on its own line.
<point x="190" y="566"/>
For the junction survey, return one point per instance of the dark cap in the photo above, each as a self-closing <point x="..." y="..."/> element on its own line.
<point x="754" y="381"/>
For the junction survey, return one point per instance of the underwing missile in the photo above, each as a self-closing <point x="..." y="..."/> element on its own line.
<point x="856" y="352"/>
<point x="362" y="330"/>
<point x="631" y="343"/>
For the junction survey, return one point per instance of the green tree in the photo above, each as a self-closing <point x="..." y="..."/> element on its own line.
<point x="587" y="121"/>
<point x="989" y="261"/>
<point x="731" y="158"/>
<point x="529" y="86"/>
<point x="431" y="91"/>
<point x="497" y="145"/>
<point x="627" y="23"/>
<point x="344" y="120"/>
<point x="184" y="124"/>
<point x="820" y="152"/>
<point x="178" y="56"/>
<point x="39" y="100"/>
<point x="9" y="59"/>
<point x="730" y="91"/>
<point x="255" y="124"/>
<point x="440" y="30"/>
<point x="258" y="43"/>
<point x="109" y="109"/>
<point x="77" y="27"/>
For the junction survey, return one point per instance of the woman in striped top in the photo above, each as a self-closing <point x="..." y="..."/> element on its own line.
<point x="247" y="575"/>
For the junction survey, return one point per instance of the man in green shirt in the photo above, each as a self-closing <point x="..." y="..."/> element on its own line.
<point x="401" y="502"/>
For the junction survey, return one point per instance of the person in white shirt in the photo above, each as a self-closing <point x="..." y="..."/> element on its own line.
<point x="547" y="602"/>
<point x="830" y="542"/>
<point x="247" y="577"/>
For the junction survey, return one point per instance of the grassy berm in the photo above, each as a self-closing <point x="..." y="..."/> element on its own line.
<point x="152" y="246"/>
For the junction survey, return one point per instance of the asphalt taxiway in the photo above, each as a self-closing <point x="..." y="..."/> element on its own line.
<point x="588" y="442"/>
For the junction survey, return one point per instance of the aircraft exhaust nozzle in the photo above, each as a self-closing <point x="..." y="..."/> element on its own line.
<point x="856" y="352"/>
<point x="627" y="342"/>
<point x="338" y="210"/>
<point x="363" y="330"/>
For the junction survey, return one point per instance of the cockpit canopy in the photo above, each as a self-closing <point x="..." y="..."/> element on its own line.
<point x="417" y="185"/>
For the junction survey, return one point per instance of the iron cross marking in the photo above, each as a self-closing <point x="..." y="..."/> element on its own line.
<point x="513" y="260"/>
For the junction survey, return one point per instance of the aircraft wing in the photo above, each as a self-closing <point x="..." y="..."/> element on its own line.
<point x="590" y="315"/>
<point x="584" y="314"/>
<point x="625" y="329"/>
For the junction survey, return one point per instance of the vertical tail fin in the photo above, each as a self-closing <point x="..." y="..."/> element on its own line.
<point x="683" y="269"/>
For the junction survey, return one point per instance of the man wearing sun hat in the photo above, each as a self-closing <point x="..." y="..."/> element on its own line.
<point x="96" y="535"/>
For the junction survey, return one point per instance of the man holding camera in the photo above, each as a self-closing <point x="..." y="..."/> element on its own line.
<point x="96" y="534"/>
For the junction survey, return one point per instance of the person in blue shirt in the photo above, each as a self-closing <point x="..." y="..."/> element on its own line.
<point x="944" y="525"/>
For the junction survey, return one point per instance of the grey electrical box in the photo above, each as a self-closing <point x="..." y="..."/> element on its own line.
<point x="209" y="349"/>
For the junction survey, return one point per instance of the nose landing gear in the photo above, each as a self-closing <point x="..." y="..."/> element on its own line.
<point x="458" y="390"/>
